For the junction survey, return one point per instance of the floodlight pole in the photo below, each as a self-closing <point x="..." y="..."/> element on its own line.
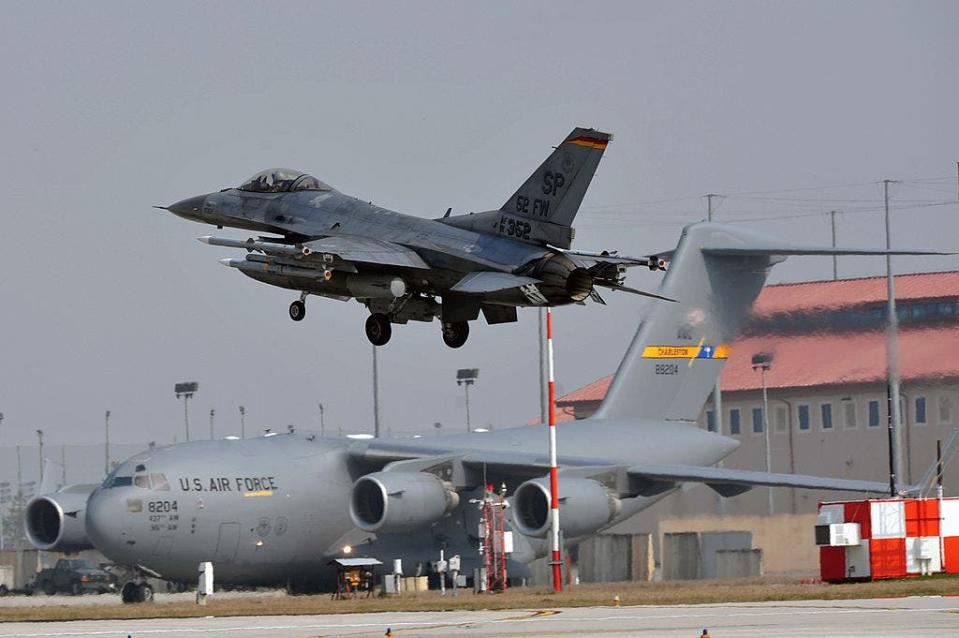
<point x="892" y="360"/>
<point x="242" y="422"/>
<point x="763" y="367"/>
<point x="557" y="561"/>
<point x="376" y="397"/>
<point x="186" y="390"/>
<point x="322" y="424"/>
<point x="212" y="414"/>
<point x="106" y="445"/>
<point x="40" y="443"/>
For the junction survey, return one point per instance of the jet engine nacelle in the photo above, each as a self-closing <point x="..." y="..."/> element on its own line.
<point x="585" y="506"/>
<point x="563" y="280"/>
<point x="57" y="521"/>
<point x="396" y="502"/>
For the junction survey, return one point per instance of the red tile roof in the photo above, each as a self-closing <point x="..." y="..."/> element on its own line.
<point x="925" y="354"/>
<point x="833" y="358"/>
<point x="832" y="295"/>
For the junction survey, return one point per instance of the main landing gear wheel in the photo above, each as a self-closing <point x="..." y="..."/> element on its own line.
<point x="297" y="310"/>
<point x="456" y="333"/>
<point x="378" y="329"/>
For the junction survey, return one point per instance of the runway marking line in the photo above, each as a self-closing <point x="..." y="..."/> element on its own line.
<point x="799" y="611"/>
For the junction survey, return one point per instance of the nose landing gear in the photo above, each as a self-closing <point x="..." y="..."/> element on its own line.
<point x="298" y="308"/>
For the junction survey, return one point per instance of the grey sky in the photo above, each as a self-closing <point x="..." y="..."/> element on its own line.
<point x="110" y="108"/>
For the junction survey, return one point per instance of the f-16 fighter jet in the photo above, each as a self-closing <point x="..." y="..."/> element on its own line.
<point x="406" y="268"/>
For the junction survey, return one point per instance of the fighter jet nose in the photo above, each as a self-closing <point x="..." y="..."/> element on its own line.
<point x="189" y="208"/>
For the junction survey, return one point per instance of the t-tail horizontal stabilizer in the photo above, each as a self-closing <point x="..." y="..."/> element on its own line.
<point x="678" y="352"/>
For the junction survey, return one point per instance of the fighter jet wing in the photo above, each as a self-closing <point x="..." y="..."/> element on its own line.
<point x="485" y="281"/>
<point x="351" y="248"/>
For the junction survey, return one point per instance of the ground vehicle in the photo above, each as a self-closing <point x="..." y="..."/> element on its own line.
<point x="76" y="576"/>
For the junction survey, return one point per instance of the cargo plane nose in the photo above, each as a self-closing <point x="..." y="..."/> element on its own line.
<point x="107" y="522"/>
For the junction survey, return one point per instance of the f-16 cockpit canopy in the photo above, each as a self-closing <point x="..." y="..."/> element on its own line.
<point x="282" y="180"/>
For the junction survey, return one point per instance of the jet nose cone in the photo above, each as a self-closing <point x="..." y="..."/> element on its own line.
<point x="190" y="208"/>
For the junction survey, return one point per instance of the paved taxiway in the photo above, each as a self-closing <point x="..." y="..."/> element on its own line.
<point x="920" y="616"/>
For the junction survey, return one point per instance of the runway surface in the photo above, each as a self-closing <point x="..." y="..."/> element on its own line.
<point x="920" y="616"/>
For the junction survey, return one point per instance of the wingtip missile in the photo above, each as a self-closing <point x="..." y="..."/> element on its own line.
<point x="230" y="262"/>
<point x="205" y="239"/>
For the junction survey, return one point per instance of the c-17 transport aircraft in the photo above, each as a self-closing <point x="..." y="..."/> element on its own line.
<point x="275" y="509"/>
<point x="334" y="245"/>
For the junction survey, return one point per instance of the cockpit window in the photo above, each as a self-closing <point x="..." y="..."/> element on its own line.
<point x="282" y="180"/>
<point x="142" y="480"/>
<point x="309" y="183"/>
<point x="118" y="481"/>
<point x="160" y="483"/>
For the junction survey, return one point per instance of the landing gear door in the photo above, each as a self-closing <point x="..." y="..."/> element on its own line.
<point x="226" y="543"/>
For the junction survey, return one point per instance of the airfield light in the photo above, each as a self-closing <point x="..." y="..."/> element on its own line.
<point x="762" y="361"/>
<point x="186" y="389"/>
<point x="467" y="377"/>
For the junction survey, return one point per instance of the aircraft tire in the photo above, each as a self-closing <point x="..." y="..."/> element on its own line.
<point x="378" y="329"/>
<point x="128" y="594"/>
<point x="297" y="310"/>
<point x="456" y="333"/>
<point x="144" y="593"/>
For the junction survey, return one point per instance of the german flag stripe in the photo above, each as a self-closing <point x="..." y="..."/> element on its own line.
<point x="589" y="142"/>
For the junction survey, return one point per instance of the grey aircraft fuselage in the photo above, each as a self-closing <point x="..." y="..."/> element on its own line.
<point x="450" y="252"/>
<point x="274" y="509"/>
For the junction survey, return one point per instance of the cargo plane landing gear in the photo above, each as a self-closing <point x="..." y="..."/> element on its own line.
<point x="298" y="308"/>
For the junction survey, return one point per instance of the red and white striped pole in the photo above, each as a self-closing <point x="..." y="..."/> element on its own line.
<point x="553" y="480"/>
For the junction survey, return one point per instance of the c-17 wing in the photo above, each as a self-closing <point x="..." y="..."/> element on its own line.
<point x="630" y="480"/>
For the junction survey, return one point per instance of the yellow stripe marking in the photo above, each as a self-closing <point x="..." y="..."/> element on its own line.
<point x="259" y="493"/>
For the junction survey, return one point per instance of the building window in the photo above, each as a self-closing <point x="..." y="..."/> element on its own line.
<point x="874" y="414"/>
<point x="710" y="420"/>
<point x="804" y="417"/>
<point x="945" y="409"/>
<point x="849" y="413"/>
<point x="758" y="420"/>
<point x="734" y="421"/>
<point x="826" y="409"/>
<point x="921" y="410"/>
<point x="781" y="419"/>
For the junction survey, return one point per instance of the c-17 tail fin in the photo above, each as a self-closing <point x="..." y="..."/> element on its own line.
<point x="679" y="350"/>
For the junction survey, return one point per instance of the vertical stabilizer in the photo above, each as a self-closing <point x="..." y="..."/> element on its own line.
<point x="679" y="350"/>
<point x="555" y="190"/>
